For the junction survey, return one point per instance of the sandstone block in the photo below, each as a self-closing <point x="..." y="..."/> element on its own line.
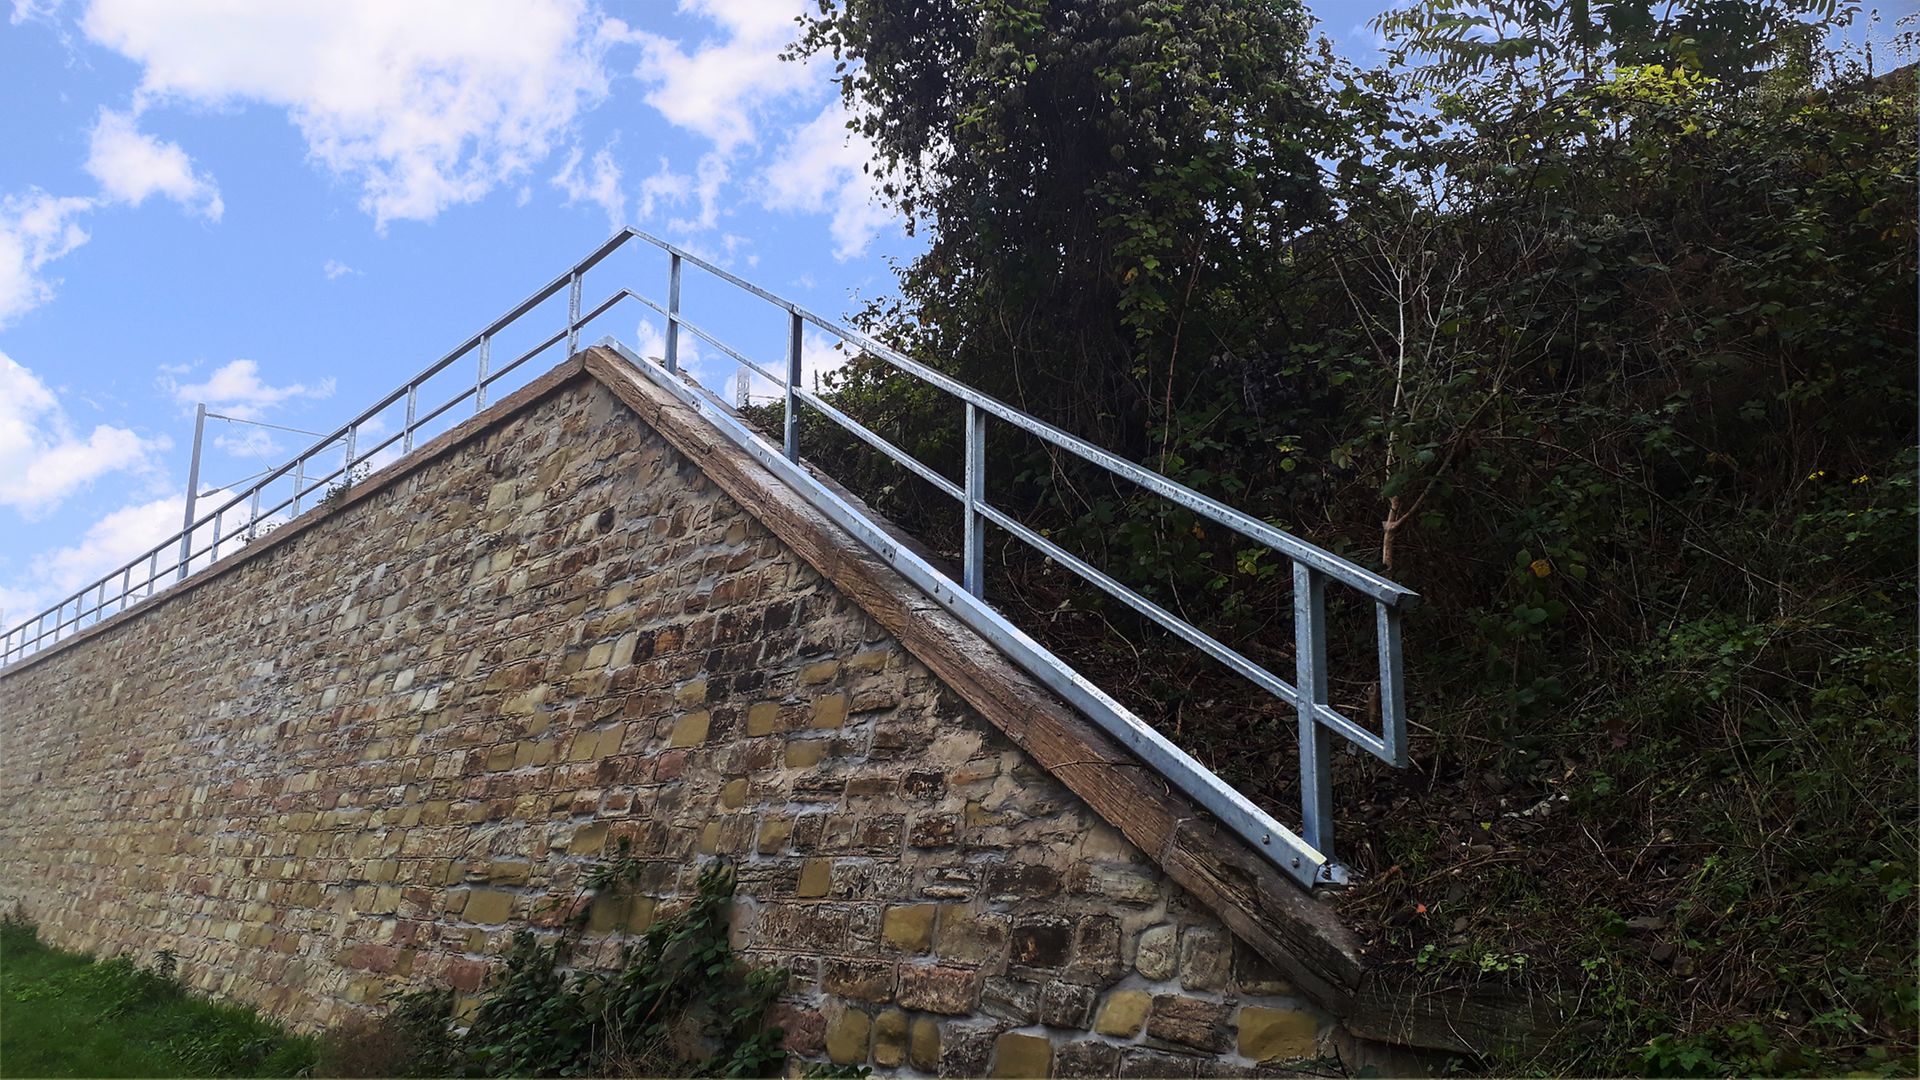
<point x="488" y="906"/>
<point x="1018" y="1055"/>
<point x="923" y="1044"/>
<point x="806" y="753"/>
<point x="1277" y="1034"/>
<point x="1123" y="1013"/>
<point x="816" y="878"/>
<point x="763" y="718"/>
<point x="890" y="1038"/>
<point x="829" y="711"/>
<point x="908" y="927"/>
<point x="847" y="1036"/>
<point x="690" y="730"/>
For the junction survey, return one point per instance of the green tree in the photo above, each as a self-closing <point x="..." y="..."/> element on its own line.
<point x="1106" y="183"/>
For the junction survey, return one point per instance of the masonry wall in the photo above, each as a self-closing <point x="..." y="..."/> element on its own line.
<point x="363" y="756"/>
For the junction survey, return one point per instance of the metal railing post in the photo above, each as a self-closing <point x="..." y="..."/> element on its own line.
<point x="973" y="558"/>
<point x="1310" y="678"/>
<point x="346" y="471"/>
<point x="406" y="433"/>
<point x="573" y="315"/>
<point x="253" y="515"/>
<point x="193" y="488"/>
<point x="480" y="380"/>
<point x="299" y="481"/>
<point x="673" y="312"/>
<point x="795" y="328"/>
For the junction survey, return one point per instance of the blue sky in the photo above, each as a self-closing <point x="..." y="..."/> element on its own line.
<point x="285" y="210"/>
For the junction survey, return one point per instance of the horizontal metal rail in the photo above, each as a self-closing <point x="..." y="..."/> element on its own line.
<point x="1307" y="855"/>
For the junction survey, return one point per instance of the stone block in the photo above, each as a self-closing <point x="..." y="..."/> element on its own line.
<point x="691" y="729"/>
<point x="890" y="1039"/>
<point x="828" y="711"/>
<point x="806" y="753"/>
<point x="1085" y="1058"/>
<point x="972" y="937"/>
<point x="775" y="832"/>
<point x="1278" y="1034"/>
<point x="847" y="1037"/>
<point x="588" y="839"/>
<point x="966" y="1051"/>
<point x="1156" y="956"/>
<point x="923" y="1044"/>
<point x="933" y="830"/>
<point x="1013" y="1000"/>
<point x="908" y="927"/>
<point x="860" y="980"/>
<point x="804" y="1031"/>
<point x="489" y="906"/>
<point x="946" y="990"/>
<point x="816" y="878"/>
<point x="763" y="718"/>
<point x="1021" y="881"/>
<point x="1206" y="958"/>
<point x="1041" y="941"/>
<point x="1123" y="883"/>
<point x="819" y="673"/>
<point x="1096" y="949"/>
<point x="1019" y="1055"/>
<point x="1158" y="1064"/>
<point x="1123" y="1013"/>
<point x="1066" y="1005"/>
<point x="1188" y="1021"/>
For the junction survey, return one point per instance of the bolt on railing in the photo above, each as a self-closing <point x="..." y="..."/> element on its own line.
<point x="1307" y="856"/>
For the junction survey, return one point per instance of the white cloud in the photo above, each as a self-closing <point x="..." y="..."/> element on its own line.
<point x="335" y="269"/>
<point x="820" y="170"/>
<point x="425" y="104"/>
<point x="35" y="229"/>
<point x="235" y="388"/>
<point x="716" y="88"/>
<point x="32" y="10"/>
<point x="600" y="185"/>
<point x="131" y="166"/>
<point x="42" y="459"/>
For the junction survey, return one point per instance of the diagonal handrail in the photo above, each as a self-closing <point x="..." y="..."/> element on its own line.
<point x="1305" y="856"/>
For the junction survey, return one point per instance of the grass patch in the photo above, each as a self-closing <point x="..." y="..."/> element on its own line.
<point x="63" y="1014"/>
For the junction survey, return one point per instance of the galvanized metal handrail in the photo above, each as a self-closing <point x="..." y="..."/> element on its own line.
<point x="1308" y="857"/>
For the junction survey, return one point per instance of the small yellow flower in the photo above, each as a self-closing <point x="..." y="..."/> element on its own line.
<point x="1816" y="474"/>
<point x="1541" y="567"/>
<point x="1861" y="479"/>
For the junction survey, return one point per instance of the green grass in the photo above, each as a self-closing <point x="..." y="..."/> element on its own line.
<point x="67" y="1015"/>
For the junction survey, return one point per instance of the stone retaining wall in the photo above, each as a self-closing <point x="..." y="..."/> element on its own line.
<point x="359" y="757"/>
